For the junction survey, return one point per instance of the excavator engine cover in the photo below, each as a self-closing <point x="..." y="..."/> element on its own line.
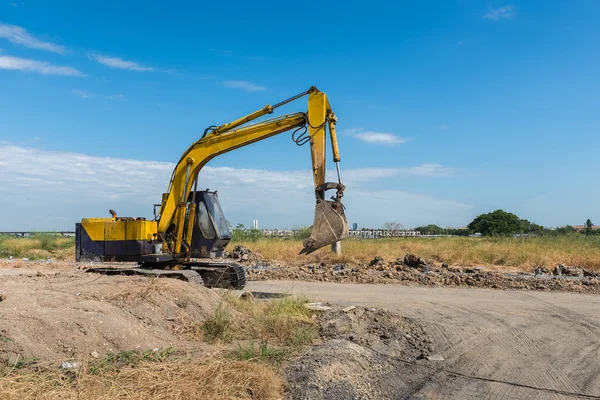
<point x="330" y="225"/>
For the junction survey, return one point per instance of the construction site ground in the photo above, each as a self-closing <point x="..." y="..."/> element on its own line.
<point x="415" y="340"/>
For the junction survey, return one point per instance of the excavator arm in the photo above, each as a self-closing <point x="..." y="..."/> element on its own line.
<point x="330" y="224"/>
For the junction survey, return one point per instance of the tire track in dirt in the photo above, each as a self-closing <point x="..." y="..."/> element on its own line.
<point x="546" y="340"/>
<point x="518" y="348"/>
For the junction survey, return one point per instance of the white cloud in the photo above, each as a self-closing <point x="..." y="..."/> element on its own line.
<point x="496" y="14"/>
<point x="17" y="35"/>
<point x="245" y="85"/>
<point x="116" y="62"/>
<point x="41" y="67"/>
<point x="375" y="137"/>
<point x="116" y="97"/>
<point x="82" y="93"/>
<point x="65" y="187"/>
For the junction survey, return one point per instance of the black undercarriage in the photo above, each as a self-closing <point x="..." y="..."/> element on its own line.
<point x="208" y="274"/>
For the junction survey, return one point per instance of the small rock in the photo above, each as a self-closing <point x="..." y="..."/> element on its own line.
<point x="349" y="308"/>
<point x="539" y="271"/>
<point x="435" y="357"/>
<point x="572" y="271"/>
<point x="24" y="259"/>
<point x="376" y="260"/>
<point x="94" y="354"/>
<point x="2" y="297"/>
<point x="557" y="271"/>
<point x="444" y="265"/>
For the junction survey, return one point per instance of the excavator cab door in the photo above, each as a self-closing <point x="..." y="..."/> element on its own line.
<point x="330" y="224"/>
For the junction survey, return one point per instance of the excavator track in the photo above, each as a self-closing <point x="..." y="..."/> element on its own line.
<point x="210" y="275"/>
<point x="225" y="276"/>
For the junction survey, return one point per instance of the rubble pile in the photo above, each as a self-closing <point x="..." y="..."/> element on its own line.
<point x="414" y="270"/>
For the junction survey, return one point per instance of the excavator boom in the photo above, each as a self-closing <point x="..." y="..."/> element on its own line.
<point x="330" y="224"/>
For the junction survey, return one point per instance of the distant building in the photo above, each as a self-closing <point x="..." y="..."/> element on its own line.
<point x="255" y="224"/>
<point x="581" y="228"/>
<point x="354" y="226"/>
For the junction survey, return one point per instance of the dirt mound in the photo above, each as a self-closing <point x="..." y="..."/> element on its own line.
<point x="64" y="315"/>
<point x="367" y="355"/>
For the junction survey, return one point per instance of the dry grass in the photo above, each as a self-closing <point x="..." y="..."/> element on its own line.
<point x="38" y="247"/>
<point x="284" y="322"/>
<point x="244" y="370"/>
<point x="185" y="379"/>
<point x="511" y="252"/>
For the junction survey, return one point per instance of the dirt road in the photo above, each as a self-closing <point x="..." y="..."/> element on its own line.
<point x="496" y="344"/>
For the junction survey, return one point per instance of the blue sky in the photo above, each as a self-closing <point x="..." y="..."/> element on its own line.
<point x="446" y="109"/>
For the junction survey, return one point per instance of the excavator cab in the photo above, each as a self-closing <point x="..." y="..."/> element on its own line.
<point x="210" y="232"/>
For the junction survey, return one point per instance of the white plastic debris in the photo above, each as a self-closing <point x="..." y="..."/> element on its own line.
<point x="70" y="365"/>
<point x="316" y="307"/>
<point x="435" y="357"/>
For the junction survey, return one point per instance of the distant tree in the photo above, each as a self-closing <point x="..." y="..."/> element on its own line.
<point x="431" y="229"/>
<point x="458" y="232"/>
<point x="565" y="230"/>
<point x="530" y="227"/>
<point x="304" y="232"/>
<point x="498" y="222"/>
<point x="392" y="226"/>
<point x="589" y="227"/>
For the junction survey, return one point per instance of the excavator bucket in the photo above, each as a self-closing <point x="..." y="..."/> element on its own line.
<point x="330" y="226"/>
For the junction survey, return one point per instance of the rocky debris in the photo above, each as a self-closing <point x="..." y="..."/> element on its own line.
<point x="412" y="261"/>
<point x="567" y="271"/>
<point x="348" y="309"/>
<point x="416" y="271"/>
<point x="378" y="261"/>
<point x="366" y="354"/>
<point x="2" y="297"/>
<point x="244" y="255"/>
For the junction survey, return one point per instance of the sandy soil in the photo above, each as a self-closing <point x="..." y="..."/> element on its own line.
<point x="55" y="315"/>
<point x="496" y="344"/>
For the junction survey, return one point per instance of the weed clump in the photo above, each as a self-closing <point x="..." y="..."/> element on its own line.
<point x="217" y="326"/>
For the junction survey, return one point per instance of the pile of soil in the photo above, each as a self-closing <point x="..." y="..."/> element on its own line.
<point x="367" y="354"/>
<point x="413" y="270"/>
<point x="55" y="316"/>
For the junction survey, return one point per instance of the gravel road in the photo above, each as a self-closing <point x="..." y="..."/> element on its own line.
<point x="496" y="344"/>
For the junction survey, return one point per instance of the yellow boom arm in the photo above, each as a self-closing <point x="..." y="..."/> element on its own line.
<point x="329" y="216"/>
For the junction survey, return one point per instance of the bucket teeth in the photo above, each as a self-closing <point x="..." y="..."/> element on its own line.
<point x="330" y="225"/>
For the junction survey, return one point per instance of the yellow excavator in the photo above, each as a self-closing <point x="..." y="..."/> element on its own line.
<point x="190" y="232"/>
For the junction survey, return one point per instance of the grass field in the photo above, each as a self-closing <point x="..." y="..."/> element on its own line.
<point x="38" y="247"/>
<point x="525" y="253"/>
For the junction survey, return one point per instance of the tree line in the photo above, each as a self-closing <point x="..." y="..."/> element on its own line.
<point x="502" y="223"/>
